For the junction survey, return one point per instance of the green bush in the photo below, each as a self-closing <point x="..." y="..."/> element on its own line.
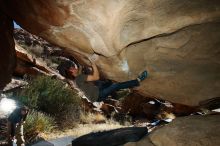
<point x="36" y="123"/>
<point x="52" y="97"/>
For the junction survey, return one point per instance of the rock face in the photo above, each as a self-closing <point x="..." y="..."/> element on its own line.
<point x="151" y="108"/>
<point x="7" y="55"/>
<point x="177" y="42"/>
<point x="143" y="142"/>
<point x="30" y="65"/>
<point x="190" y="131"/>
<point x="184" y="67"/>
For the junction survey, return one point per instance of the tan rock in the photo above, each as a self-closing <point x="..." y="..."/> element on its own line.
<point x="107" y="27"/>
<point x="189" y="131"/>
<point x="30" y="65"/>
<point x="143" y="142"/>
<point x="185" y="131"/>
<point x="14" y="84"/>
<point x="177" y="42"/>
<point x="183" y="67"/>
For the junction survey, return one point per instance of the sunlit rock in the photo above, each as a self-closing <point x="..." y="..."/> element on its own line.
<point x="177" y="42"/>
<point x="190" y="131"/>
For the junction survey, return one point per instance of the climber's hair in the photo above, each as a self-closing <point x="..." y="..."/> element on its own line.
<point x="64" y="67"/>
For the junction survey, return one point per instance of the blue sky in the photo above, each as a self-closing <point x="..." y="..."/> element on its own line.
<point x="16" y="25"/>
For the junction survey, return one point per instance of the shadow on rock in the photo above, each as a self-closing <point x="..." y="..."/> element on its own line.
<point x="111" y="138"/>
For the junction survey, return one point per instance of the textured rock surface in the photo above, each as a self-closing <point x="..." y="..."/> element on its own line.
<point x="186" y="131"/>
<point x="31" y="65"/>
<point x="150" y="108"/>
<point x="190" y="131"/>
<point x="184" y="66"/>
<point x="7" y="51"/>
<point x="177" y="42"/>
<point x="143" y="142"/>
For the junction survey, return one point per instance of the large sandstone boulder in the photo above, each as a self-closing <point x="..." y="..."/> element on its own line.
<point x="183" y="66"/>
<point x="176" y="41"/>
<point x="7" y="50"/>
<point x="185" y="131"/>
<point x="143" y="142"/>
<point x="190" y="131"/>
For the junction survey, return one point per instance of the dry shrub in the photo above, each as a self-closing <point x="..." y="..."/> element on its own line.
<point x="53" y="97"/>
<point x="88" y="118"/>
<point x="36" y="123"/>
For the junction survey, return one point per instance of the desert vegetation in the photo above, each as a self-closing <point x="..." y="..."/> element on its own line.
<point x="57" y="108"/>
<point x="52" y="97"/>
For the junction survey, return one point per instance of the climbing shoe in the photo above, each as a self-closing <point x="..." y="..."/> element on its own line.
<point x="142" y="76"/>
